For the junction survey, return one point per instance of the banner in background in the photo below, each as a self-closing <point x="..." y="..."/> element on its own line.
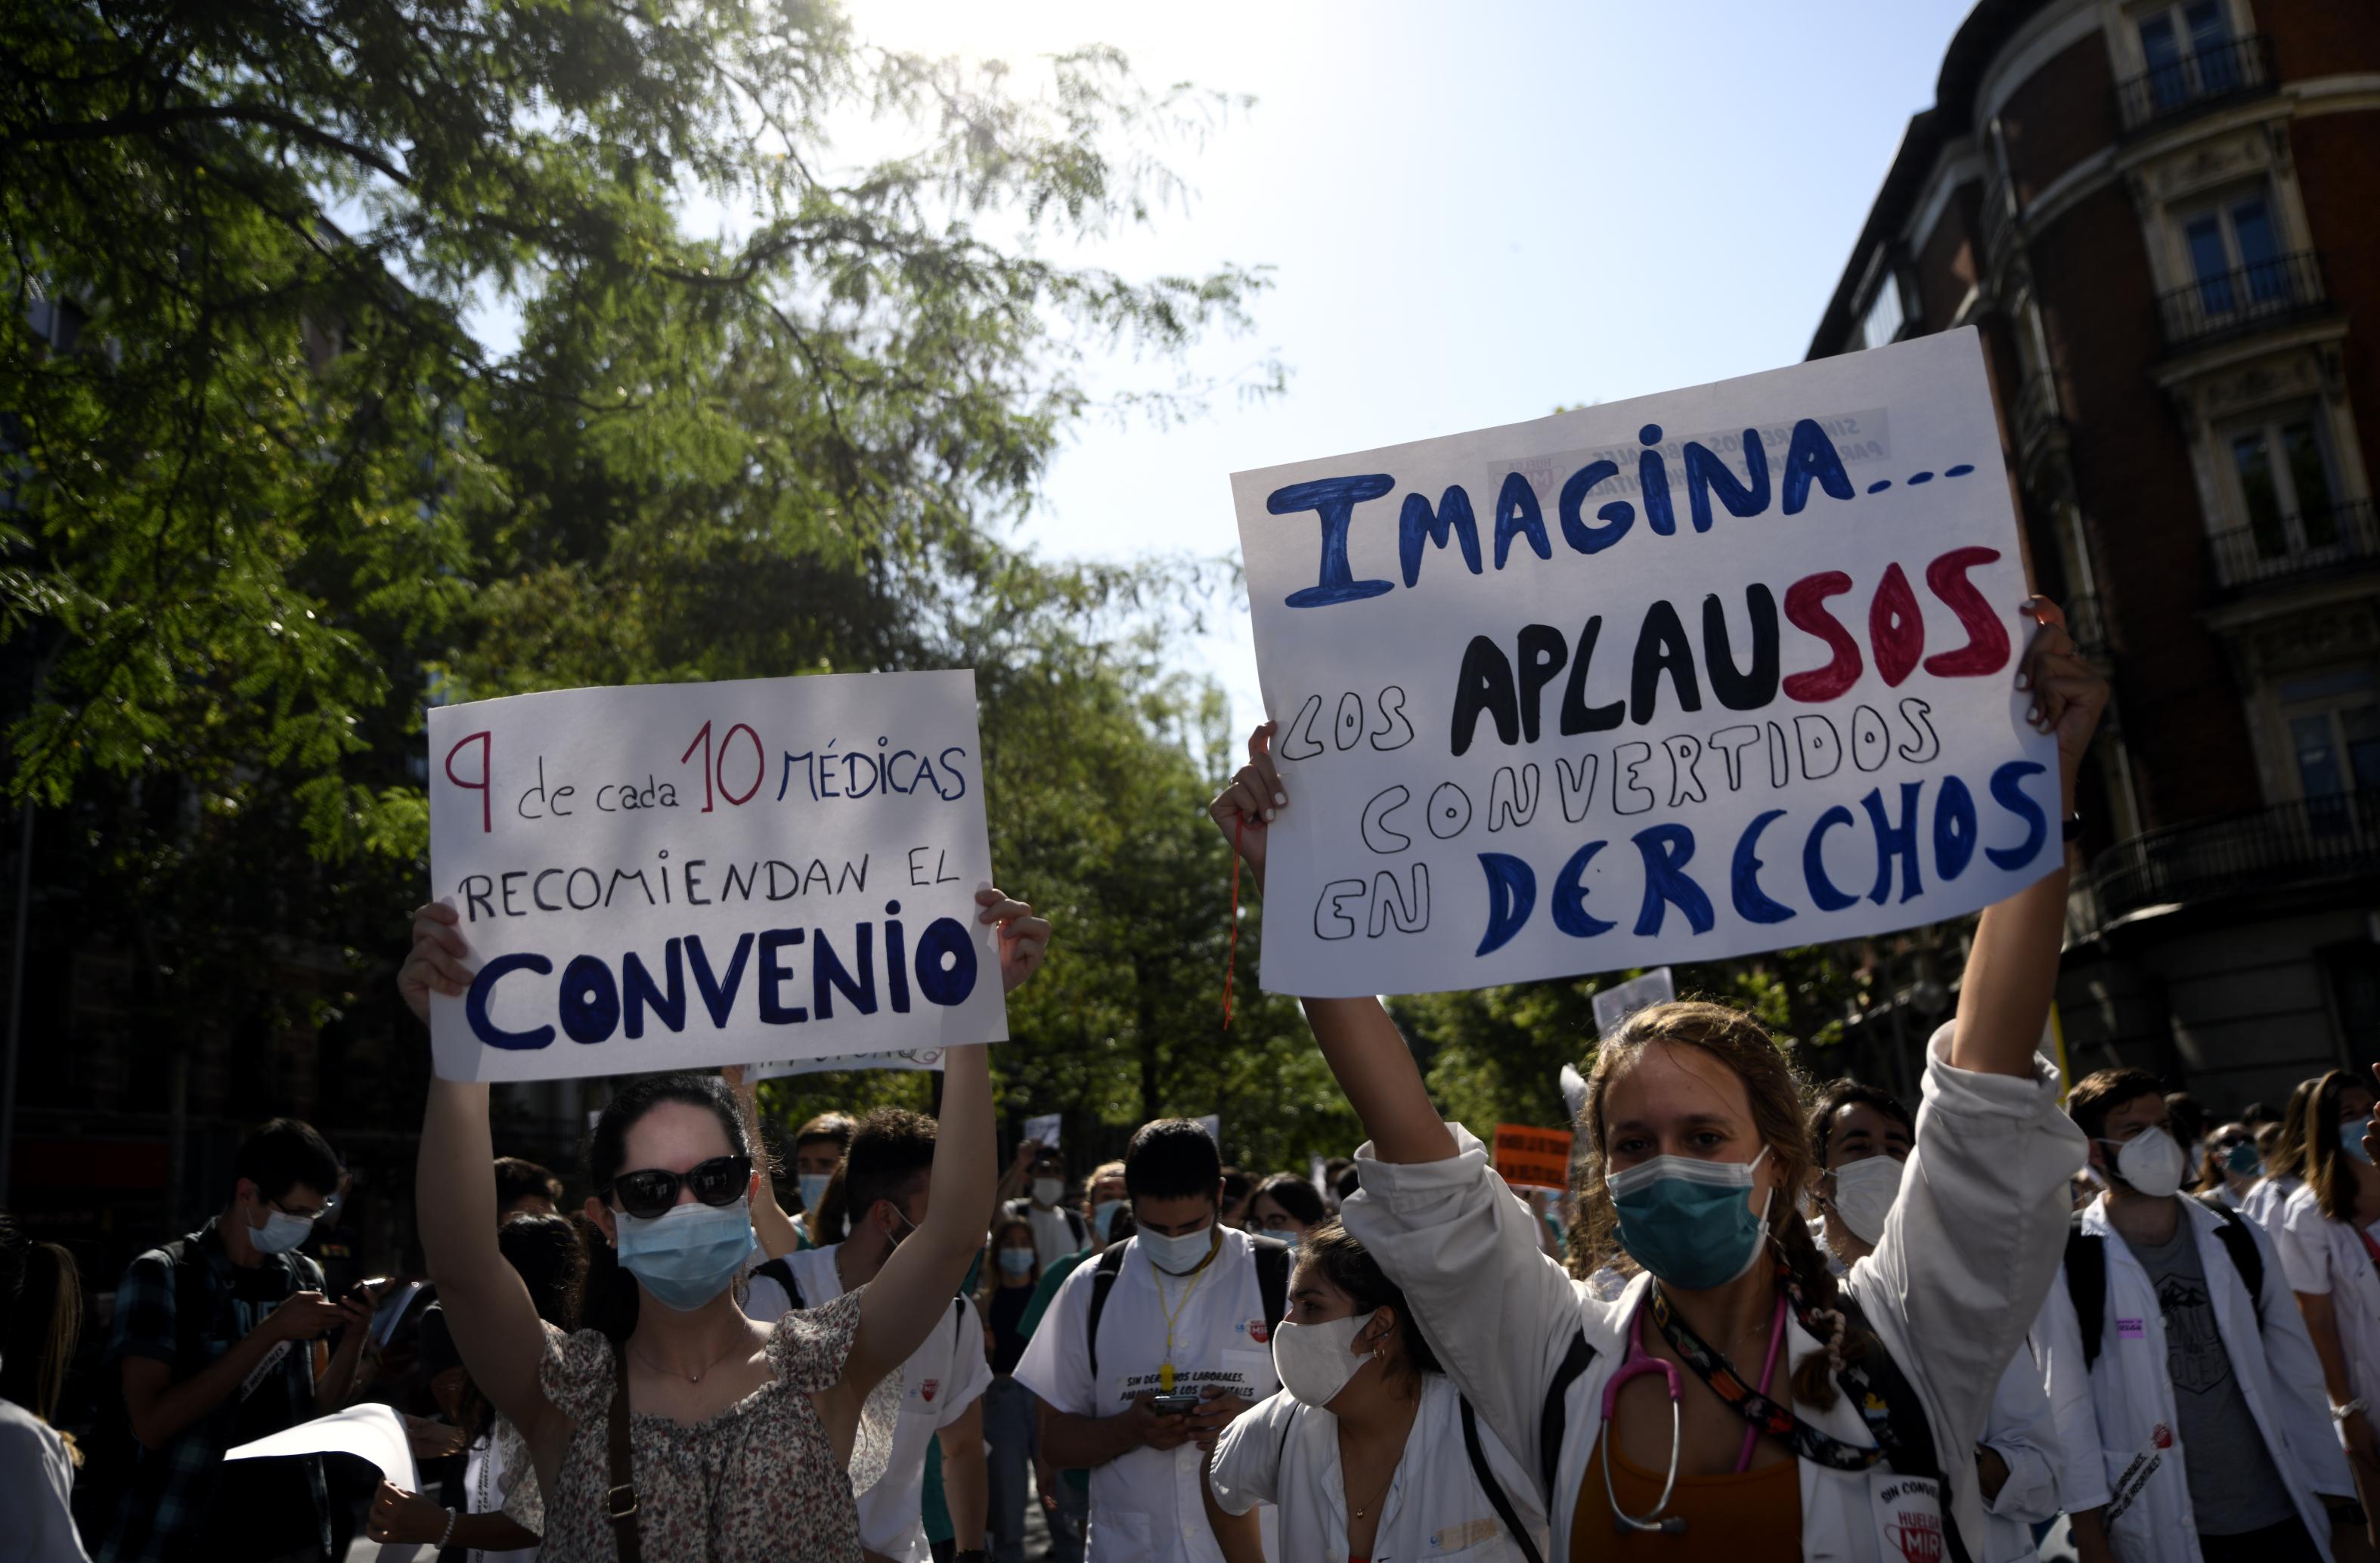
<point x="915" y="1058"/>
<point x="1674" y="679"/>
<point x="1527" y="1158"/>
<point x="675" y="876"/>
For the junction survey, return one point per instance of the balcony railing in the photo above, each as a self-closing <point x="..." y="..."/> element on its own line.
<point x="2198" y="80"/>
<point x="2336" y="541"/>
<point x="2276" y="848"/>
<point x="2037" y="415"/>
<point x="2286" y="284"/>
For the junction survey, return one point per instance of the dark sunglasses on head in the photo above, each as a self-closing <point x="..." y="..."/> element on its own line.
<point x="652" y="1191"/>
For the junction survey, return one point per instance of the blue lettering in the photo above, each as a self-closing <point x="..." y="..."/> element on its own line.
<point x="1616" y="514"/>
<point x="2008" y="790"/>
<point x="774" y="974"/>
<point x="1752" y="903"/>
<point x="1512" y="896"/>
<point x="1823" y="892"/>
<point x="1334" y="499"/>
<point x="718" y="995"/>
<point x="1568" y="902"/>
<point x="1954" y="828"/>
<point x="946" y="939"/>
<point x="639" y="991"/>
<point x="1667" y="849"/>
<point x="475" y="1003"/>
<point x="1517" y="515"/>
<point x="1707" y="473"/>
<point x="1812" y="458"/>
<point x="1894" y="841"/>
<point x="828" y="974"/>
<point x="1418" y="521"/>
<point x="590" y="1000"/>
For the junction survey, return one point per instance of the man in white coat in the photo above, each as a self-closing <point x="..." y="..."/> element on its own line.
<point x="2205" y="1395"/>
<point x="888" y="1181"/>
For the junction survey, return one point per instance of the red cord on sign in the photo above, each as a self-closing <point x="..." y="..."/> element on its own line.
<point x="1233" y="959"/>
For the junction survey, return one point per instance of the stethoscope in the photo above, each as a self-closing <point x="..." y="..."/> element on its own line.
<point x="1638" y="1362"/>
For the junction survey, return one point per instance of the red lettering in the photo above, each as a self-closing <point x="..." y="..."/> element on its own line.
<point x="487" y="810"/>
<point x="1896" y="627"/>
<point x="1987" y="651"/>
<point x="1805" y="606"/>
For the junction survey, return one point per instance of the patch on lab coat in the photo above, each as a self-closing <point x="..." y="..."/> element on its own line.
<point x="1454" y="1538"/>
<point x="1908" y="1512"/>
<point x="2132" y="1330"/>
<point x="2136" y="1475"/>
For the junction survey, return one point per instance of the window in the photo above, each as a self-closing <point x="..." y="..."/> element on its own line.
<point x="2333" y="727"/>
<point x="2235" y="255"/>
<point x="1883" y="319"/>
<point x="2284" y="484"/>
<point x="2187" y="50"/>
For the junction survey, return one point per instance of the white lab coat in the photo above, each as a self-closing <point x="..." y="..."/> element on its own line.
<point x="2134" y="1427"/>
<point x="2268" y="1200"/>
<point x="2321" y="1255"/>
<point x="1967" y="1254"/>
<point x="1285" y="1453"/>
<point x="2021" y="1429"/>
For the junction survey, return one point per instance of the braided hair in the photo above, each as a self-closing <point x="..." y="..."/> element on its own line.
<point x="1779" y="1095"/>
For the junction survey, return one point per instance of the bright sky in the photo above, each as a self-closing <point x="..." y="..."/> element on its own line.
<point x="1477" y="212"/>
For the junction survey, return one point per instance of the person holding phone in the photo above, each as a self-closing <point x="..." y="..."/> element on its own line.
<point x="1150" y="1351"/>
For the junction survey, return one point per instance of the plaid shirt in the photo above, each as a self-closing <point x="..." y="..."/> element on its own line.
<point x="166" y="1513"/>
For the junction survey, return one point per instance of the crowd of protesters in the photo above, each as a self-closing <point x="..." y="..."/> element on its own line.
<point x="1768" y="1319"/>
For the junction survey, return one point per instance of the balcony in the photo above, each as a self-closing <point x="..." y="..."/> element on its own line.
<point x="2338" y="541"/>
<point x="2038" y="418"/>
<point x="2269" y="849"/>
<point x="2195" y="82"/>
<point x="2229" y="301"/>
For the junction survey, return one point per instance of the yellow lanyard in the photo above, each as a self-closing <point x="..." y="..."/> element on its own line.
<point x="1165" y="1369"/>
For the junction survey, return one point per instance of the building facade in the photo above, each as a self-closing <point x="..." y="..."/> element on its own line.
<point x="2160" y="215"/>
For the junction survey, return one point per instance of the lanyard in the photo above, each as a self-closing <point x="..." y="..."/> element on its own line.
<point x="1165" y="1369"/>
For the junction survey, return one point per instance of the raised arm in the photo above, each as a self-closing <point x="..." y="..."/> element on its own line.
<point x="911" y="1295"/>
<point x="494" y="1323"/>
<point x="2013" y="968"/>
<point x="770" y="1223"/>
<point x="1376" y="1070"/>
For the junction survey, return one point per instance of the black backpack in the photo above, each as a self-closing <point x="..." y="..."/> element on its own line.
<point x="1272" y="1261"/>
<point x="782" y="1274"/>
<point x="2086" y="1273"/>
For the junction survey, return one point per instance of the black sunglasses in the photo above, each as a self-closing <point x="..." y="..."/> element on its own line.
<point x="652" y="1191"/>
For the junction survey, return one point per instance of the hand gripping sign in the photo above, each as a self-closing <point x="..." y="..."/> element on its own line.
<point x="1695" y="676"/>
<point x="668" y="876"/>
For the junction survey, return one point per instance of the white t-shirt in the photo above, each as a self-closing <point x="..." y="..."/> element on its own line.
<point x="1054" y="1234"/>
<point x="1145" y="1506"/>
<point x="940" y="1381"/>
<point x="1286" y="1452"/>
<point x="36" y="1485"/>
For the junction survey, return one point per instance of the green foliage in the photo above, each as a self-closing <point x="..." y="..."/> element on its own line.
<point x="271" y="486"/>
<point x="1494" y="1055"/>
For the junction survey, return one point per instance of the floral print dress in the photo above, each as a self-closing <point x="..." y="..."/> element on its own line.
<point x="757" y="1481"/>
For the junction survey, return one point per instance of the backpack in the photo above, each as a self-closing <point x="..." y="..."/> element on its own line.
<point x="1272" y="1259"/>
<point x="2086" y="1273"/>
<point x="782" y="1274"/>
<point x="110" y="1477"/>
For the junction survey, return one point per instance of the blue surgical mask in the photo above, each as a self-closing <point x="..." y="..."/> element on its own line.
<point x="813" y="1186"/>
<point x="281" y="1232"/>
<point x="2241" y="1160"/>
<point x="1688" y="1220"/>
<point x="1103" y="1214"/>
<point x="688" y="1255"/>
<point x="2350" y="1140"/>
<point x="1178" y="1255"/>
<point x="1286" y="1234"/>
<point x="1017" y="1261"/>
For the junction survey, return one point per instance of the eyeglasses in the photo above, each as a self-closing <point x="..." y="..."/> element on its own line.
<point x="652" y="1191"/>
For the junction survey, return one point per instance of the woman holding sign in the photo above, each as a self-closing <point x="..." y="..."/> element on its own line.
<point x="700" y="1433"/>
<point x="1735" y="1396"/>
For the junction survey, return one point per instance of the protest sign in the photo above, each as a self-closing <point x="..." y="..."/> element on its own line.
<point x="1043" y="1131"/>
<point x="1213" y="1123"/>
<point x="912" y="1058"/>
<point x="670" y="875"/>
<point x="1532" y="1158"/>
<point x="1691" y="676"/>
<point x="1616" y="1003"/>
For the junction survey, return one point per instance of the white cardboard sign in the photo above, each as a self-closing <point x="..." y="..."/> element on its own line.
<point x="1044" y="1130"/>
<point x="1616" y="1003"/>
<point x="1695" y="676"/>
<point x="675" y="876"/>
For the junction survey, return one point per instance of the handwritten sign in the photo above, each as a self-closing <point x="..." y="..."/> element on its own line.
<point x="1691" y="676"/>
<point x="910" y="1058"/>
<point x="670" y="875"/>
<point x="1532" y="1158"/>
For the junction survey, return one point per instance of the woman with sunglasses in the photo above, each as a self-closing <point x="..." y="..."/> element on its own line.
<point x="739" y="1435"/>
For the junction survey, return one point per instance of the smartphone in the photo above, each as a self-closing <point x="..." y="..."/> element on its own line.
<point x="1174" y="1405"/>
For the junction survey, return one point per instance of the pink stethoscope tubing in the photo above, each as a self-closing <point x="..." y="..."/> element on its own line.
<point x="1640" y="1362"/>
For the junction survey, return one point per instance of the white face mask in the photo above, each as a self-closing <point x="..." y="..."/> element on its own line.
<point x="281" y="1232"/>
<point x="1315" y="1361"/>
<point x="1048" y="1191"/>
<point x="1865" y="1191"/>
<point x="1177" y="1256"/>
<point x="2150" y="1161"/>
